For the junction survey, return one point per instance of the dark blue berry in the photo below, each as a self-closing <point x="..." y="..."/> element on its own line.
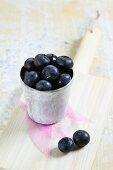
<point x="43" y="85"/>
<point x="66" y="144"/>
<point x="64" y="79"/>
<point x="41" y="61"/>
<point x="64" y="62"/>
<point x="68" y="71"/>
<point x="50" y="73"/>
<point x="29" y="64"/>
<point x="23" y="72"/>
<point x="52" y="58"/>
<point x="81" y="138"/>
<point x="30" y="78"/>
<point x="55" y="85"/>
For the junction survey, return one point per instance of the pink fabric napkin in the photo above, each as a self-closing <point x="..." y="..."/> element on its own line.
<point x="42" y="135"/>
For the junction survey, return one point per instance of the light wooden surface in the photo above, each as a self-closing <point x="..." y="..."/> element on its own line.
<point x="87" y="49"/>
<point x="22" y="34"/>
<point x="17" y="151"/>
<point x="104" y="156"/>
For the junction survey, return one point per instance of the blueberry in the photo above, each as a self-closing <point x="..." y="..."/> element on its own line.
<point x="50" y="73"/>
<point x="52" y="58"/>
<point x="68" y="71"/>
<point x="23" y="71"/>
<point x="43" y="85"/>
<point x="39" y="74"/>
<point x="30" y="78"/>
<point x="64" y="79"/>
<point x="55" y="85"/>
<point x="81" y="138"/>
<point x="41" y="61"/>
<point x="66" y="144"/>
<point x="29" y="64"/>
<point x="64" y="62"/>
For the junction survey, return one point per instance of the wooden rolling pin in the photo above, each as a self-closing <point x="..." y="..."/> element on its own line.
<point x="86" y="51"/>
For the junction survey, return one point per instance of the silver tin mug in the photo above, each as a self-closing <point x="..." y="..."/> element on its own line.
<point x="46" y="107"/>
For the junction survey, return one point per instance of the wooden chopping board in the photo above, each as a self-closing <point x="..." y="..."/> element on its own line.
<point x="92" y="97"/>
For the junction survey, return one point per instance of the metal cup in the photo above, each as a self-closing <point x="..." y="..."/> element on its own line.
<point x="46" y="107"/>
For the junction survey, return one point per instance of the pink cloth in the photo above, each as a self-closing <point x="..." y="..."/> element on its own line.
<point x="41" y="135"/>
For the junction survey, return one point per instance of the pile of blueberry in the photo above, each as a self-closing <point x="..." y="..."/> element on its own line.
<point x="80" y="139"/>
<point x="47" y="72"/>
